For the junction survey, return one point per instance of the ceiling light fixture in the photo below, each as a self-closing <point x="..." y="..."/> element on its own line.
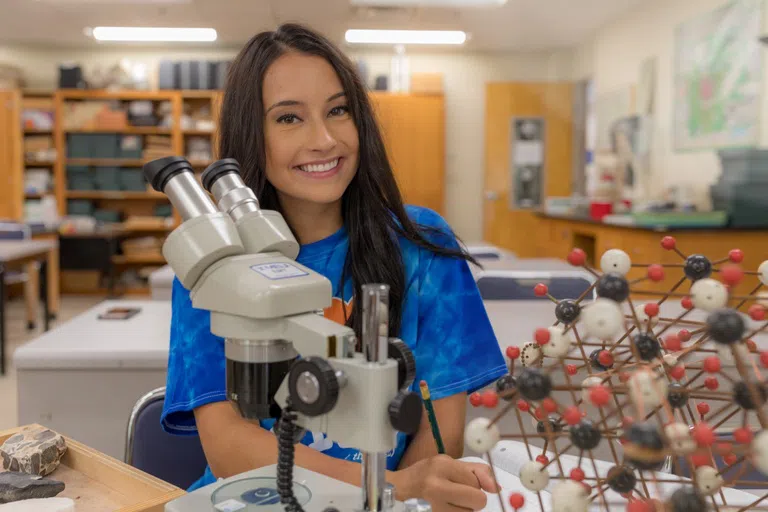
<point x="405" y="36"/>
<point x="430" y="3"/>
<point x="154" y="34"/>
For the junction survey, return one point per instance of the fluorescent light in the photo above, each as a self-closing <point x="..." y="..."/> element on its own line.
<point x="154" y="34"/>
<point x="405" y="36"/>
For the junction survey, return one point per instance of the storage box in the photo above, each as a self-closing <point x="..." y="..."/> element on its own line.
<point x="99" y="483"/>
<point x="132" y="180"/>
<point x="130" y="146"/>
<point x="78" y="146"/>
<point x="79" y="207"/>
<point x="107" y="178"/>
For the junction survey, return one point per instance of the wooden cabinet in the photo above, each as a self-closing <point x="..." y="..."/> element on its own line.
<point x="11" y="163"/>
<point x="413" y="128"/>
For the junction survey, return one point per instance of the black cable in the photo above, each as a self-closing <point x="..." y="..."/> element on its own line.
<point x="286" y="438"/>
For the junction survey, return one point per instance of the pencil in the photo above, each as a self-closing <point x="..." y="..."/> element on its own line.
<point x="432" y="417"/>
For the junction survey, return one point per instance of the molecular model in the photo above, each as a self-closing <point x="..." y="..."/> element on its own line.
<point x="658" y="390"/>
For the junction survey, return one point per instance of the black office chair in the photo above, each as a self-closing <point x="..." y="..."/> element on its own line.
<point x="519" y="284"/>
<point x="178" y="460"/>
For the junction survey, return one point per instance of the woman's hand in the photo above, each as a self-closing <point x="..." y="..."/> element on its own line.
<point x="448" y="485"/>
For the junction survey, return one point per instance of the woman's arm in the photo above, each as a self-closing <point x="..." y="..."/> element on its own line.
<point x="450" y="413"/>
<point x="234" y="445"/>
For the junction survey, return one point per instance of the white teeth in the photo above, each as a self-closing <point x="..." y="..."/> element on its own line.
<point x="320" y="167"/>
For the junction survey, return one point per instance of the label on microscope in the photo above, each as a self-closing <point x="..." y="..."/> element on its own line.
<point x="278" y="270"/>
<point x="229" y="506"/>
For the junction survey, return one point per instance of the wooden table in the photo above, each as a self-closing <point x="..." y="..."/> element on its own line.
<point x="19" y="253"/>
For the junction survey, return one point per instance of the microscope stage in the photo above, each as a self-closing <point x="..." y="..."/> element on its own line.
<point x="256" y="491"/>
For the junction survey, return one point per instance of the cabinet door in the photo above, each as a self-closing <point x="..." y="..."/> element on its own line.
<point x="413" y="127"/>
<point x="11" y="166"/>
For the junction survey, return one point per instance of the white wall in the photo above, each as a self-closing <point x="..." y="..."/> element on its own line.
<point x="465" y="76"/>
<point x="613" y="57"/>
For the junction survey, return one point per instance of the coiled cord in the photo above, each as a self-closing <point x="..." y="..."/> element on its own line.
<point x="286" y="438"/>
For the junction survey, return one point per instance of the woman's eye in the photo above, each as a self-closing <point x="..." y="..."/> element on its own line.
<point x="339" y="111"/>
<point x="287" y="119"/>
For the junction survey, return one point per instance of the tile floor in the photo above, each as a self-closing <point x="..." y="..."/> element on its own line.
<point x="17" y="335"/>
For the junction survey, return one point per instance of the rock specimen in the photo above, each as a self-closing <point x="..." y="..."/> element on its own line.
<point x="41" y="505"/>
<point x="22" y="486"/>
<point x="34" y="450"/>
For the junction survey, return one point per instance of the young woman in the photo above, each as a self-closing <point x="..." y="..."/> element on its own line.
<point x="298" y="119"/>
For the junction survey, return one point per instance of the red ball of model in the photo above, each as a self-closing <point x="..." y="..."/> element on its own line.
<point x="712" y="364"/>
<point x="687" y="303"/>
<point x="655" y="272"/>
<point x="624" y="376"/>
<point x="572" y="415"/>
<point x="542" y="336"/>
<point x="668" y="242"/>
<point x="605" y="358"/>
<point x="513" y="352"/>
<point x="736" y="255"/>
<point x="764" y="358"/>
<point x="732" y="274"/>
<point x="523" y="405"/>
<point x="577" y="474"/>
<point x="700" y="459"/>
<point x="577" y="257"/>
<point x="517" y="500"/>
<point x="703" y="434"/>
<point x="599" y="395"/>
<point x="703" y="408"/>
<point x="678" y="372"/>
<point x="651" y="309"/>
<point x="640" y="506"/>
<point x="684" y="335"/>
<point x="475" y="399"/>
<point x="672" y="343"/>
<point x="540" y="290"/>
<point x="571" y="369"/>
<point x="542" y="459"/>
<point x="742" y="435"/>
<point x="711" y="383"/>
<point x="549" y="405"/>
<point x="730" y="459"/>
<point x="757" y="312"/>
<point x="752" y="346"/>
<point x="490" y="398"/>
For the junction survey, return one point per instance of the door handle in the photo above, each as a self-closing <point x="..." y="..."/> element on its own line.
<point x="491" y="195"/>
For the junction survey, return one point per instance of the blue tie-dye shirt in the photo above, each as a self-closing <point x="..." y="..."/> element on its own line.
<point x="444" y="322"/>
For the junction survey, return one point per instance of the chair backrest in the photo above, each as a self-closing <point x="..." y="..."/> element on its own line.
<point x="519" y="284"/>
<point x="14" y="231"/>
<point x="757" y="479"/>
<point x="488" y="252"/>
<point x="178" y="460"/>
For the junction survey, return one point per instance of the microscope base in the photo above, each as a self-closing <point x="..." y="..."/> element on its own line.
<point x="258" y="493"/>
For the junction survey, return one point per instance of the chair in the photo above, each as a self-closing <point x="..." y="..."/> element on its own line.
<point x="18" y="231"/>
<point x="178" y="460"/>
<point x="519" y="284"/>
<point x="682" y="468"/>
<point x="488" y="252"/>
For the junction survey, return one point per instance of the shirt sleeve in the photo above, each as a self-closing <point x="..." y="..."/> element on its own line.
<point x="196" y="364"/>
<point x="456" y="349"/>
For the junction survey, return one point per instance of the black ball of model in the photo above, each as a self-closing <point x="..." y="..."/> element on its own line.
<point x="725" y="326"/>
<point x="648" y="347"/>
<point x="567" y="311"/>
<point x="585" y="435"/>
<point x="743" y="397"/>
<point x="554" y="426"/>
<point x="687" y="499"/>
<point x="504" y="385"/>
<point x="677" y="396"/>
<point x="621" y="479"/>
<point x="697" y="267"/>
<point x="644" y="447"/>
<point x="613" y="286"/>
<point x="533" y="384"/>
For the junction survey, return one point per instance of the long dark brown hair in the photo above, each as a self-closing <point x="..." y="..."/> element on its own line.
<point x="372" y="206"/>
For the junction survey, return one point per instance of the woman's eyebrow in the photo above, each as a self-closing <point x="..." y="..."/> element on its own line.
<point x="284" y="103"/>
<point x="337" y="95"/>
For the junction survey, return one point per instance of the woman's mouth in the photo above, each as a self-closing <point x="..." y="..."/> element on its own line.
<point x="321" y="169"/>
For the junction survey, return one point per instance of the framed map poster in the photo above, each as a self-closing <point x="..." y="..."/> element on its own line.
<point x="718" y="78"/>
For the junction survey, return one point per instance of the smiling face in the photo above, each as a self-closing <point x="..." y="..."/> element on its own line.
<point x="310" y="137"/>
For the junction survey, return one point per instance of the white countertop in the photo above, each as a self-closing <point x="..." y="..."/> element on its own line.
<point x="16" y="249"/>
<point x="87" y="342"/>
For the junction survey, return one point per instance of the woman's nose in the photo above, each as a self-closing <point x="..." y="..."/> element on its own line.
<point x="322" y="138"/>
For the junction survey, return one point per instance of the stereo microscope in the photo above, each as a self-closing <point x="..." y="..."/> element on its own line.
<point x="285" y="360"/>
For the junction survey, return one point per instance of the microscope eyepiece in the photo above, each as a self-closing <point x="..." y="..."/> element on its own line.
<point x="159" y="172"/>
<point x="218" y="169"/>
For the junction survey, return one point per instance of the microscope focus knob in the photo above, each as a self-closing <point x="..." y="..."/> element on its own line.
<point x="406" y="362"/>
<point x="313" y="386"/>
<point x="405" y="412"/>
